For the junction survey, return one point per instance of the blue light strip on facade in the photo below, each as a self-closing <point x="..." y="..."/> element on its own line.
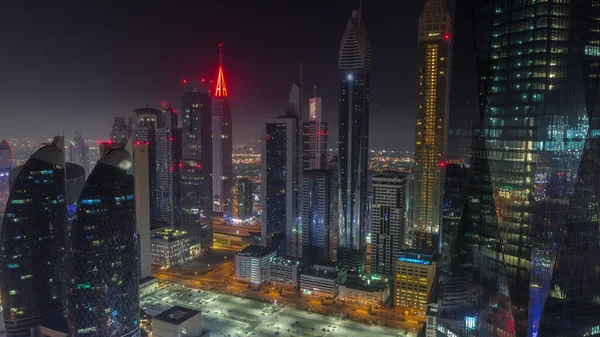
<point x="416" y="261"/>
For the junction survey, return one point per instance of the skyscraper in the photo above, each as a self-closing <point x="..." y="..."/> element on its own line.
<point x="244" y="199"/>
<point x="317" y="217"/>
<point x="388" y="220"/>
<point x="121" y="130"/>
<point x="280" y="174"/>
<point x="314" y="138"/>
<point x="79" y="153"/>
<point x="354" y="80"/>
<point x="196" y="174"/>
<point x="103" y="275"/>
<point x="32" y="259"/>
<point x="6" y="164"/>
<point x="147" y="121"/>
<point x="168" y="168"/>
<point x="222" y="147"/>
<point x="432" y="122"/>
<point x="528" y="238"/>
<point x="159" y="130"/>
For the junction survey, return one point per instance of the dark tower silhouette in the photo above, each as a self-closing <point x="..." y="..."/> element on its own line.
<point x="103" y="274"/>
<point x="32" y="259"/>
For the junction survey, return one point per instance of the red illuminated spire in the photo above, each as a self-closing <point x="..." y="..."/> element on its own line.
<point x="221" y="90"/>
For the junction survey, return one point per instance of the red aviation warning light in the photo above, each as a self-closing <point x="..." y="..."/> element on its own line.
<point x="446" y="37"/>
<point x="442" y="164"/>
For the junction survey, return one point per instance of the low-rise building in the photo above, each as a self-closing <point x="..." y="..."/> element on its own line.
<point x="367" y="292"/>
<point x="178" y="322"/>
<point x="170" y="247"/>
<point x="322" y="280"/>
<point x="251" y="264"/>
<point x="413" y="281"/>
<point x="284" y="272"/>
<point x="148" y="285"/>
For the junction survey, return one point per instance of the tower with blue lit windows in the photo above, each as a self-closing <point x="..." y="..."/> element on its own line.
<point x="34" y="233"/>
<point x="103" y="281"/>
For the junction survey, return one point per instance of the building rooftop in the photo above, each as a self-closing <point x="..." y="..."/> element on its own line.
<point x="176" y="315"/>
<point x="169" y="234"/>
<point x="392" y="175"/>
<point x="287" y="261"/>
<point x="365" y="285"/>
<point x="416" y="257"/>
<point x="321" y="272"/>
<point x="254" y="251"/>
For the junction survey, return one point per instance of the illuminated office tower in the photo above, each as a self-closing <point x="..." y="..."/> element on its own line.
<point x="314" y="138"/>
<point x="79" y="153"/>
<point x="196" y="174"/>
<point x="388" y="220"/>
<point x="222" y="148"/>
<point x="32" y="259"/>
<point x="528" y="240"/>
<point x="432" y="119"/>
<point x="103" y="275"/>
<point x="317" y="218"/>
<point x="280" y="174"/>
<point x="6" y="164"/>
<point x="353" y="146"/>
<point x="414" y="277"/>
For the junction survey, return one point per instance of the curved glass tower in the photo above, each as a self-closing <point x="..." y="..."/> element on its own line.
<point x="33" y="243"/>
<point x="528" y="244"/>
<point x="354" y="69"/>
<point x="103" y="290"/>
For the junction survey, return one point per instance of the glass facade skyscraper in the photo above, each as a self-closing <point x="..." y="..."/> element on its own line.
<point x="280" y="184"/>
<point x="222" y="129"/>
<point x="34" y="232"/>
<point x="353" y="148"/>
<point x="528" y="243"/>
<point x="196" y="174"/>
<point x="432" y="123"/>
<point x="103" y="260"/>
<point x="317" y="217"/>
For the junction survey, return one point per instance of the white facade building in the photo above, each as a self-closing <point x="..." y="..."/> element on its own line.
<point x="285" y="272"/>
<point x="388" y="220"/>
<point x="365" y="292"/>
<point x="251" y="264"/>
<point x="322" y="281"/>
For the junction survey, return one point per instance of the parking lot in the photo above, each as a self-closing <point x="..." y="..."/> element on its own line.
<point x="229" y="316"/>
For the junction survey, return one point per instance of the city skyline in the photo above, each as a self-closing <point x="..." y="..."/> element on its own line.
<point x="490" y="227"/>
<point x="125" y="80"/>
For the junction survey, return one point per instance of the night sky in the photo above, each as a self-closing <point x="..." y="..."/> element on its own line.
<point x="76" y="66"/>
